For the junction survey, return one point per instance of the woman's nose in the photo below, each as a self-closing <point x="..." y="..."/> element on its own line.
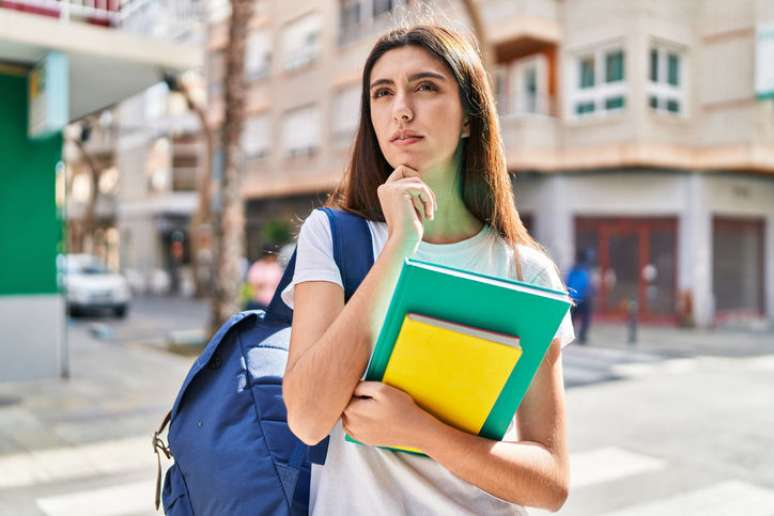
<point x="402" y="112"/>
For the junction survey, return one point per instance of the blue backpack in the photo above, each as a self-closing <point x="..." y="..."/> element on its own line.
<point x="228" y="433"/>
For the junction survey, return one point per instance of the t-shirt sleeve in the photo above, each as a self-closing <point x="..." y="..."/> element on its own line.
<point x="314" y="255"/>
<point x="549" y="277"/>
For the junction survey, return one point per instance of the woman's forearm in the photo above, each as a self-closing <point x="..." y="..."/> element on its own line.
<point x="526" y="473"/>
<point x="318" y="385"/>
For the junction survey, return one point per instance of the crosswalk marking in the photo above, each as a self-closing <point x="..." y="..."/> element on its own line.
<point x="119" y="500"/>
<point x="57" y="464"/>
<point x="672" y="366"/>
<point x="606" y="464"/>
<point x="725" y="499"/>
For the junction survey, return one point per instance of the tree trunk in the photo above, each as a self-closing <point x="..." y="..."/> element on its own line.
<point x="89" y="222"/>
<point x="200" y="227"/>
<point x="228" y="220"/>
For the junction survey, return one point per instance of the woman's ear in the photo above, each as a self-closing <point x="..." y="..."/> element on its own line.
<point x="466" y="127"/>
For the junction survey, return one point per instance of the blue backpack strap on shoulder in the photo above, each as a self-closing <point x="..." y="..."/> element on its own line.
<point x="348" y="231"/>
<point x="354" y="256"/>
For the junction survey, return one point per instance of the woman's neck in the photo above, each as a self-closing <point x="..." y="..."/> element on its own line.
<point x="453" y="222"/>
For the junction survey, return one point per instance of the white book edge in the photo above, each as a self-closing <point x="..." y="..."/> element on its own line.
<point x="491" y="281"/>
<point x="500" y="338"/>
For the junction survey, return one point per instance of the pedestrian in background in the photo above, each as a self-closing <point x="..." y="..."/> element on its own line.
<point x="263" y="277"/>
<point x="581" y="290"/>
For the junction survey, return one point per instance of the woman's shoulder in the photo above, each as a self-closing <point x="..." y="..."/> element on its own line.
<point x="537" y="266"/>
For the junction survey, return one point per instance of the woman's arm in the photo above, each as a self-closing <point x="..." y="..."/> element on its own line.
<point x="330" y="342"/>
<point x="533" y="471"/>
<point x="330" y="345"/>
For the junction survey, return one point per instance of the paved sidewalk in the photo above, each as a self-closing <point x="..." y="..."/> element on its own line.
<point x="67" y="443"/>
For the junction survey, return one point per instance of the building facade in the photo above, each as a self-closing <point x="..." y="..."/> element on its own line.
<point x="60" y="62"/>
<point x="639" y="130"/>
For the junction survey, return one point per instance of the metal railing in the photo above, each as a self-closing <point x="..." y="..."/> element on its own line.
<point x="167" y="19"/>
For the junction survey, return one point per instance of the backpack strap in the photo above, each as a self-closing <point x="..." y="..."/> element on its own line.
<point x="349" y="232"/>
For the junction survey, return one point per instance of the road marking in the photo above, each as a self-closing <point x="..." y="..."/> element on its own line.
<point x="672" y="366"/>
<point x="56" y="464"/>
<point x="725" y="499"/>
<point x="118" y="500"/>
<point x="763" y="363"/>
<point x="606" y="464"/>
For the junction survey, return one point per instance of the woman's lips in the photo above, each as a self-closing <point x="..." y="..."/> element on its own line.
<point x="407" y="141"/>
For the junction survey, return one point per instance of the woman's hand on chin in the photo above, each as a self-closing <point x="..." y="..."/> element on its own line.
<point x="406" y="203"/>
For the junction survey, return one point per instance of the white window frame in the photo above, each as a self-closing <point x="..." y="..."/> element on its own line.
<point x="515" y="98"/>
<point x="661" y="89"/>
<point x="254" y="149"/>
<point x="294" y="58"/>
<point x="257" y="56"/>
<point x="288" y="148"/>
<point x="367" y="20"/>
<point x="601" y="90"/>
<point x="342" y="136"/>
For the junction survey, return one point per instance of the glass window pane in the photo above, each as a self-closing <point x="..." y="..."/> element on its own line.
<point x="614" y="103"/>
<point x="673" y="75"/>
<point x="654" y="65"/>
<point x="382" y="6"/>
<point x="587" y="72"/>
<point x="673" y="106"/>
<point x="584" y="107"/>
<point x="614" y="66"/>
<point x="653" y="101"/>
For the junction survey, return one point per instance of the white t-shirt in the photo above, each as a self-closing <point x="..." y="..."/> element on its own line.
<point x="366" y="480"/>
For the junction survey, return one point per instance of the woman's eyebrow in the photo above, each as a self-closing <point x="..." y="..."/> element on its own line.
<point x="412" y="78"/>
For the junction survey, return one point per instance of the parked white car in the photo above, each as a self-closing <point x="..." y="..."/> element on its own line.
<point x="90" y="286"/>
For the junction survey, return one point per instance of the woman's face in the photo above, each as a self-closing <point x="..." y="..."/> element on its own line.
<point x="415" y="109"/>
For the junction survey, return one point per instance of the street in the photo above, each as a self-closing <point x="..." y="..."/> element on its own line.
<point x="679" y="424"/>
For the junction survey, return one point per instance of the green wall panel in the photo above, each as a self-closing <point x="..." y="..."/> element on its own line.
<point x="30" y="229"/>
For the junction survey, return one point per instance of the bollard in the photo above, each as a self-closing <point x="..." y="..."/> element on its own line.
<point x="632" y="321"/>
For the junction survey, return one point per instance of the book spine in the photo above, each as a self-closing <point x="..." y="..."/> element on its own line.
<point x="385" y="340"/>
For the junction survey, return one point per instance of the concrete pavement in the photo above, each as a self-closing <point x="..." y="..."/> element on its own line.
<point x="683" y="416"/>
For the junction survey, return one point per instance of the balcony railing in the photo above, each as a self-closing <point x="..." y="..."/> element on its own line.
<point x="167" y="19"/>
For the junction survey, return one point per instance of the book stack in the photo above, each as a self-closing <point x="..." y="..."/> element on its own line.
<point x="464" y="345"/>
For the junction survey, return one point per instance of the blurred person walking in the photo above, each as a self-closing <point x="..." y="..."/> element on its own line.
<point x="263" y="277"/>
<point x="581" y="290"/>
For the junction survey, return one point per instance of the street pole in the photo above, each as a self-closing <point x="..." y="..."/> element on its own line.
<point x="632" y="308"/>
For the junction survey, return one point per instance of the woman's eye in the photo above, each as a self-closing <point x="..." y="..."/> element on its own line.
<point x="426" y="86"/>
<point x="380" y="93"/>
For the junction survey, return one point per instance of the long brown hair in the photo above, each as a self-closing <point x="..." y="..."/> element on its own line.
<point x="485" y="183"/>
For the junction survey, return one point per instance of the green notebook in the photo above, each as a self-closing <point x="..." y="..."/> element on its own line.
<point x="531" y="312"/>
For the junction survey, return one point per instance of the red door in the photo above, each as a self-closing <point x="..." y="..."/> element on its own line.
<point x="636" y="260"/>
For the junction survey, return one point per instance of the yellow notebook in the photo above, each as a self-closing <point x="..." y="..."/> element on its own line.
<point x="453" y="371"/>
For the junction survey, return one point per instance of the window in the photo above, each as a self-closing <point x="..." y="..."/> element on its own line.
<point x="666" y="93"/>
<point x="614" y="66"/>
<point x="256" y="136"/>
<point x="587" y="72"/>
<point x="258" y="55"/>
<point x="522" y="86"/>
<point x="346" y="114"/>
<point x="600" y="82"/>
<point x="300" y="41"/>
<point x="382" y="7"/>
<point x="301" y="131"/>
<point x="360" y="17"/>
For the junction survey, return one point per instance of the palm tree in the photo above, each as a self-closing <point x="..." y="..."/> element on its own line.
<point x="228" y="217"/>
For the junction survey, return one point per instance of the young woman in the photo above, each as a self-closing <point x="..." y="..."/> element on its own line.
<point x="428" y="173"/>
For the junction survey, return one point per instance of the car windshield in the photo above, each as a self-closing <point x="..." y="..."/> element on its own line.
<point x="90" y="267"/>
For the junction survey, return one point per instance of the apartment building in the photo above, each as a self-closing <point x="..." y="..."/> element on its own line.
<point x="642" y="130"/>
<point x="59" y="62"/>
